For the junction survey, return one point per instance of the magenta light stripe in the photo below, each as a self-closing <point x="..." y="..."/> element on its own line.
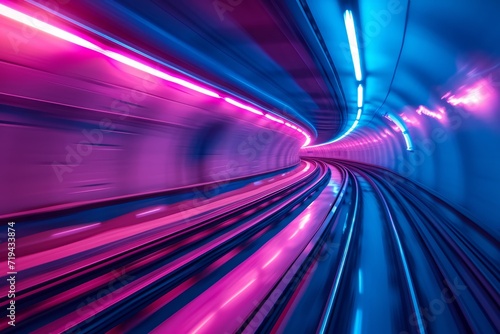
<point x="243" y="106"/>
<point x="145" y="68"/>
<point x="40" y="25"/>
<point x="69" y="37"/>
<point x="272" y="259"/>
<point x="239" y="292"/>
<point x="148" y="212"/>
<point x="272" y="118"/>
<point x="75" y="230"/>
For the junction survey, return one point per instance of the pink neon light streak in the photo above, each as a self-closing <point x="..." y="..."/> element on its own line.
<point x="424" y="111"/>
<point x="45" y="27"/>
<point x="149" y="212"/>
<point x="242" y="106"/>
<point x="277" y="120"/>
<point x="145" y="68"/>
<point x="203" y="323"/>
<point x="76" y="230"/>
<point x="69" y="37"/>
<point x="272" y="259"/>
<point x="239" y="292"/>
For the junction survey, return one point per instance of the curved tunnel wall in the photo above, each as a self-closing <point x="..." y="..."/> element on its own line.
<point x="76" y="127"/>
<point x="445" y="87"/>
<point x="175" y="138"/>
<point x="455" y="156"/>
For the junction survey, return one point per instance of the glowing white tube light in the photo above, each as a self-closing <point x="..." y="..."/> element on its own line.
<point x="353" y="43"/>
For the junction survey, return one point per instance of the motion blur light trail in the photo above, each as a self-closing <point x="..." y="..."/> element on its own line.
<point x="206" y="272"/>
<point x="249" y="166"/>
<point x="39" y="25"/>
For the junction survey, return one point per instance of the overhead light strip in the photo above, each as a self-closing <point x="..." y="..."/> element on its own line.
<point x="358" y="116"/>
<point x="360" y="96"/>
<point x="353" y="43"/>
<point x="242" y="106"/>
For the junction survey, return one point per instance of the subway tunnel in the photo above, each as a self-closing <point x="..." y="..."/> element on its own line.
<point x="250" y="166"/>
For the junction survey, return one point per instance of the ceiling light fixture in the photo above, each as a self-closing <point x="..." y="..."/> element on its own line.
<point x="353" y="43"/>
<point x="360" y="96"/>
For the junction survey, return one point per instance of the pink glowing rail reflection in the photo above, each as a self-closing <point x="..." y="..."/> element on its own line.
<point x="75" y="230"/>
<point x="59" y="33"/>
<point x="223" y="306"/>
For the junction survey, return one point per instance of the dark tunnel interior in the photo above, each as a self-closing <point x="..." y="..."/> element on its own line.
<point x="250" y="166"/>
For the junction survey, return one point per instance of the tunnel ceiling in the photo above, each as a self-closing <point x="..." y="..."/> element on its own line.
<point x="412" y="52"/>
<point x="292" y="56"/>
